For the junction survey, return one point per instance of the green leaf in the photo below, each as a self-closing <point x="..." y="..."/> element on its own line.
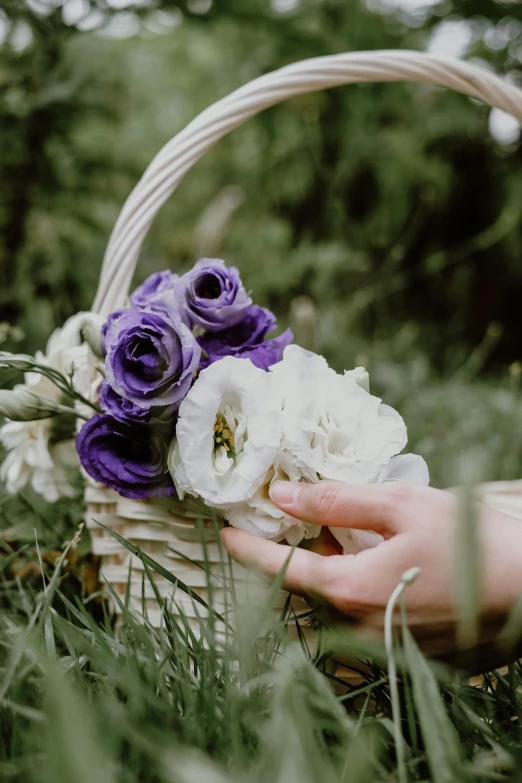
<point x="75" y="751"/>
<point x="159" y="569"/>
<point x="440" y="738"/>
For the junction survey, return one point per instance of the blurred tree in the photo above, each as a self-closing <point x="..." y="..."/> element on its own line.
<point x="383" y="203"/>
<point x="51" y="186"/>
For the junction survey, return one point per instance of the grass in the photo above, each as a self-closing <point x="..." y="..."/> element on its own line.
<point x="83" y="700"/>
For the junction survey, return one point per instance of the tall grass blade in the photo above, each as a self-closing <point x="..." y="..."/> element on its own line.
<point x="159" y="569"/>
<point x="440" y="738"/>
<point x="467" y="571"/>
<point x="75" y="750"/>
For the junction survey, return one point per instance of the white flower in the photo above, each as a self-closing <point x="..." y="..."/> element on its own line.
<point x="332" y="428"/>
<point x="66" y="349"/>
<point x="64" y="352"/>
<point x="30" y="460"/>
<point x="240" y="429"/>
<point x="260" y="516"/>
<point x="70" y="334"/>
<point x="228" y="433"/>
<point x="21" y="405"/>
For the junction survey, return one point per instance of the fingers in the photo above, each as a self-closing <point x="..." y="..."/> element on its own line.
<point x="356" y="585"/>
<point x="307" y="573"/>
<point x="364" y="507"/>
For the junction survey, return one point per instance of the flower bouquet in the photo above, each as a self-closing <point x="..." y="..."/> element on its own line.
<point x="183" y="402"/>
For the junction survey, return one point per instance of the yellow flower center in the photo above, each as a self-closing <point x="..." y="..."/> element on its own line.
<point x="223" y="437"/>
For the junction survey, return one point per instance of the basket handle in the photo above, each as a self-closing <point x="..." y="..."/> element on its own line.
<point x="179" y="155"/>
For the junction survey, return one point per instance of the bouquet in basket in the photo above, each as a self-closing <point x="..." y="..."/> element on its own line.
<point x="185" y="397"/>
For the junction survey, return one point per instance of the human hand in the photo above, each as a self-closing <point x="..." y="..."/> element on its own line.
<point x="419" y="525"/>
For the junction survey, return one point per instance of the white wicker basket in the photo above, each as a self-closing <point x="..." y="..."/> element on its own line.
<point x="157" y="532"/>
<point x="176" y="544"/>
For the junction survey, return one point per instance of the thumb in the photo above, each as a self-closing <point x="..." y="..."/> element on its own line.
<point x="364" y="507"/>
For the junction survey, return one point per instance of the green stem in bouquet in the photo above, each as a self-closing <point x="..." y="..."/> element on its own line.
<point x="80" y="398"/>
<point x="75" y="394"/>
<point x="25" y="363"/>
<point x="23" y="405"/>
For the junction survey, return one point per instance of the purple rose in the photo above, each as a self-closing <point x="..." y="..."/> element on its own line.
<point x="127" y="412"/>
<point x="246" y="340"/>
<point x="268" y="353"/>
<point x="151" y="357"/>
<point x="157" y="292"/>
<point x="211" y="296"/>
<point x="112" y="317"/>
<point x="129" y="459"/>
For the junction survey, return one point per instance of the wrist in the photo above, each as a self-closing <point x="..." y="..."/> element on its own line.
<point x="501" y="560"/>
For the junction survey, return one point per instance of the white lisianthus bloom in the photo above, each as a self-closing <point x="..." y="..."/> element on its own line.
<point x="241" y="429"/>
<point x="30" y="460"/>
<point x="333" y="429"/>
<point x="70" y="334"/>
<point x="228" y="433"/>
<point x="260" y="516"/>
<point x="66" y="349"/>
<point x="331" y="425"/>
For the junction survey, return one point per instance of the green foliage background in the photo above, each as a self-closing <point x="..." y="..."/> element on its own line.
<point x="393" y="211"/>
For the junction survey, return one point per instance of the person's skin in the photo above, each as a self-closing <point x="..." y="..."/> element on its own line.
<point x="419" y="525"/>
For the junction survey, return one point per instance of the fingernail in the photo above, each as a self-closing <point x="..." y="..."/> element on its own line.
<point x="284" y="493"/>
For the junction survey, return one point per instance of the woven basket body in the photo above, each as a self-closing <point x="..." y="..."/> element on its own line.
<point x="185" y="548"/>
<point x="169" y="539"/>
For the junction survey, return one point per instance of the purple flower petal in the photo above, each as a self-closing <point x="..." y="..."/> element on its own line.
<point x="125" y="411"/>
<point x="113" y="317"/>
<point x="131" y="460"/>
<point x="268" y="353"/>
<point x="246" y="340"/>
<point x="157" y="292"/>
<point x="211" y="295"/>
<point x="150" y="357"/>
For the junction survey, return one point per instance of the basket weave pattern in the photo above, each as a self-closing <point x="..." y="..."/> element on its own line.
<point x="175" y="543"/>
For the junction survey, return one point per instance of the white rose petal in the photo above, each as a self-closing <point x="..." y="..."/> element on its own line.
<point x="30" y="460"/>
<point x="69" y="335"/>
<point x="333" y="428"/>
<point x="407" y="467"/>
<point x="260" y="516"/>
<point x="237" y="391"/>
